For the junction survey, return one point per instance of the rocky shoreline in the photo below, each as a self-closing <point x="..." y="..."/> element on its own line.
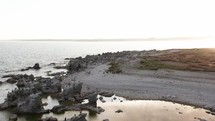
<point x="26" y="98"/>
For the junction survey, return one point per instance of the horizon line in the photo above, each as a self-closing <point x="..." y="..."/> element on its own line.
<point x="112" y="39"/>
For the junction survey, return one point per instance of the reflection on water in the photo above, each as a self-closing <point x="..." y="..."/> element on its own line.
<point x="136" y="110"/>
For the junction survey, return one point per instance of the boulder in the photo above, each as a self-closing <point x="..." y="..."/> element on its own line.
<point x="50" y="86"/>
<point x="13" y="117"/>
<point x="58" y="109"/>
<point x="119" y="111"/>
<point x="11" y="81"/>
<point x="93" y="99"/>
<point x="72" y="92"/>
<point x="212" y="109"/>
<point x="32" y="105"/>
<point x="36" y="66"/>
<point x="80" y="117"/>
<point x="49" y="119"/>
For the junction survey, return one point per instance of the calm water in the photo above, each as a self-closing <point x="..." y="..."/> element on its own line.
<point x="16" y="55"/>
<point x="136" y="110"/>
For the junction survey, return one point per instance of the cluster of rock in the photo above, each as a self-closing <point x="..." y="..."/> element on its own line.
<point x="35" y="67"/>
<point x="79" y="63"/>
<point x="26" y="99"/>
<point x="80" y="117"/>
<point x="14" y="78"/>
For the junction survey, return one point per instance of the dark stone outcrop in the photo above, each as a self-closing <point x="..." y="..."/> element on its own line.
<point x="13" y="78"/>
<point x="80" y="117"/>
<point x="212" y="109"/>
<point x="92" y="98"/>
<point x="11" y="81"/>
<point x="58" y="109"/>
<point x="13" y="117"/>
<point x="36" y="66"/>
<point x="106" y="94"/>
<point x="49" y="85"/>
<point x="32" y="105"/>
<point x="119" y="111"/>
<point x="72" y="92"/>
<point x="76" y="64"/>
<point x="48" y="119"/>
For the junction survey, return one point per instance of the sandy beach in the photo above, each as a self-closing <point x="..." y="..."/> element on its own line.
<point x="186" y="87"/>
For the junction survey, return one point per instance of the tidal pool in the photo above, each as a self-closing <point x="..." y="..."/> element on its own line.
<point x="133" y="110"/>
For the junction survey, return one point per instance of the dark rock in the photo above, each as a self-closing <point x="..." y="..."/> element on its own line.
<point x="212" y="109"/>
<point x="72" y="92"/>
<point x="45" y="104"/>
<point x="11" y="81"/>
<point x="76" y="64"/>
<point x="36" y="66"/>
<point x="93" y="99"/>
<point x="1" y="82"/>
<point x="13" y="117"/>
<point x="119" y="111"/>
<point x="49" y="119"/>
<point x="60" y="67"/>
<point x="26" y="69"/>
<point x="32" y="105"/>
<point x="56" y="74"/>
<point x="50" y="85"/>
<point x="106" y="94"/>
<point x="80" y="117"/>
<point x="92" y="108"/>
<point x="58" y="109"/>
<point x="105" y="120"/>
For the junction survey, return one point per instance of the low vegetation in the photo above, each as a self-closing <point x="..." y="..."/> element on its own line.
<point x="114" y="68"/>
<point x="192" y="60"/>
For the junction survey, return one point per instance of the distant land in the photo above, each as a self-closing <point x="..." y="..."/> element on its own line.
<point x="120" y="39"/>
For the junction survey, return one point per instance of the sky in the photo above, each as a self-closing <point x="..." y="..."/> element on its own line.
<point x="106" y="19"/>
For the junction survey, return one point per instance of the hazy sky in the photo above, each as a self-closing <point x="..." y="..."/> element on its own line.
<point x="82" y="19"/>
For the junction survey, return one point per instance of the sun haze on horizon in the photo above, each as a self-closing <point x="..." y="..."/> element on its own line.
<point x="112" y="19"/>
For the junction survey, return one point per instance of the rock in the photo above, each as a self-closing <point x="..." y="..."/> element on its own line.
<point x="45" y="104"/>
<point x="13" y="117"/>
<point x="71" y="92"/>
<point x="105" y="120"/>
<point x="212" y="109"/>
<point x="119" y="111"/>
<point x="56" y="74"/>
<point x="50" y="85"/>
<point x="80" y="117"/>
<point x="76" y="64"/>
<point x="77" y="87"/>
<point x="26" y="69"/>
<point x="58" y="109"/>
<point x="60" y="67"/>
<point x="11" y="81"/>
<point x="1" y="82"/>
<point x="36" y="66"/>
<point x="32" y="105"/>
<point x="92" y="108"/>
<point x="49" y="119"/>
<point x="106" y="94"/>
<point x="93" y="99"/>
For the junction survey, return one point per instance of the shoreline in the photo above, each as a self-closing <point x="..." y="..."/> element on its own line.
<point x="194" y="88"/>
<point x="120" y="74"/>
